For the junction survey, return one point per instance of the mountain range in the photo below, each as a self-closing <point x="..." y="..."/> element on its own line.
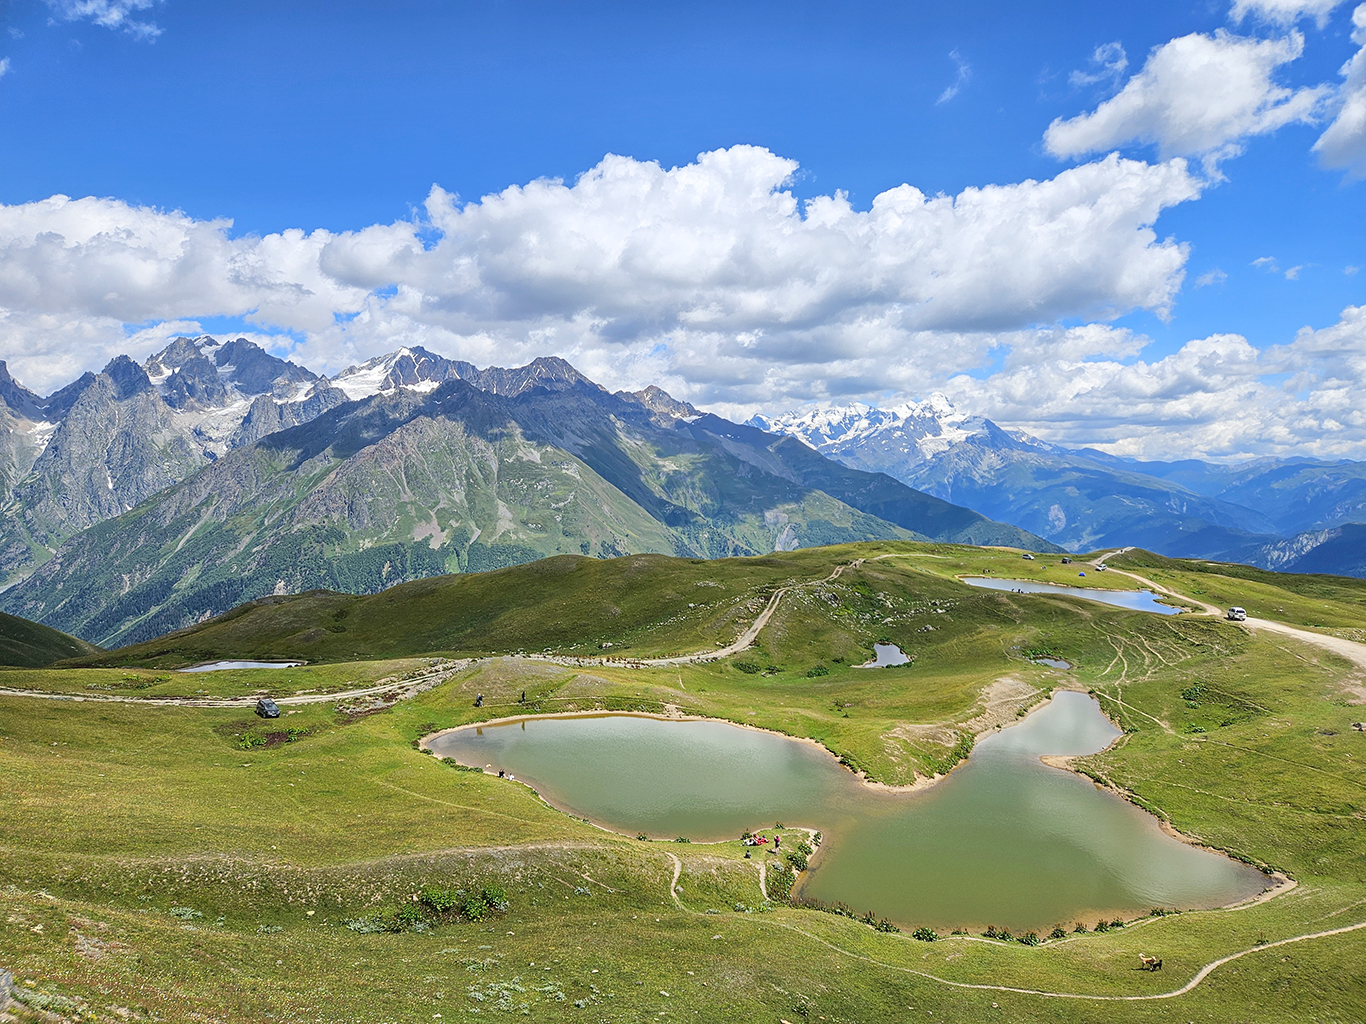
<point x="147" y="498"/>
<point x="1286" y="514"/>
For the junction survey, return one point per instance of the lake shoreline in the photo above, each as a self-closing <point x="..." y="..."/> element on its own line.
<point x="1157" y="594"/>
<point x="920" y="785"/>
<point x="1039" y="700"/>
<point x="1277" y="883"/>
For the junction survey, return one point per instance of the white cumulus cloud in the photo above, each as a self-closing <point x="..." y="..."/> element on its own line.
<point x="1343" y="144"/>
<point x="1196" y="96"/>
<point x="711" y="274"/>
<point x="1218" y="396"/>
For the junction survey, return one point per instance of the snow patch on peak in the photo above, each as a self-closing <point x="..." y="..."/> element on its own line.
<point x="364" y="380"/>
<point x="413" y="368"/>
<point x="931" y="425"/>
<point x="911" y="433"/>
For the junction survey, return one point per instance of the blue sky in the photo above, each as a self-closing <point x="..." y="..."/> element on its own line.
<point x="342" y="116"/>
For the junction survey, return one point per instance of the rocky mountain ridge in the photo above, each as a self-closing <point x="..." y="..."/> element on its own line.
<point x="1085" y="499"/>
<point x="214" y="473"/>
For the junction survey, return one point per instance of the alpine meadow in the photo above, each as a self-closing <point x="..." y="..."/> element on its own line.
<point x="682" y="512"/>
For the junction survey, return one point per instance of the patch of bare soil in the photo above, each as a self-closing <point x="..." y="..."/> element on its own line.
<point x="94" y="948"/>
<point x="1001" y="703"/>
<point x="940" y="734"/>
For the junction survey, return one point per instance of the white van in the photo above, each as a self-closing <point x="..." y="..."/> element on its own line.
<point x="1236" y="614"/>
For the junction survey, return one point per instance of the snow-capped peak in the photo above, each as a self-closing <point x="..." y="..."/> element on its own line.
<point x="413" y="368"/>
<point x="912" y="432"/>
<point x="835" y="427"/>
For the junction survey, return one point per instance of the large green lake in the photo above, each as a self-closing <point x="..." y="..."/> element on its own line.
<point x="1004" y="840"/>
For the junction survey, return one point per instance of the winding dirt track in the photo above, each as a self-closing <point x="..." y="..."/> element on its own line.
<point x="1199" y="976"/>
<point x="405" y="687"/>
<point x="416" y="684"/>
<point x="1348" y="649"/>
<point x="741" y="643"/>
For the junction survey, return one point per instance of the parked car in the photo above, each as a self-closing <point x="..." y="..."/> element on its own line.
<point x="267" y="708"/>
<point x="1067" y="561"/>
<point x="1028" y="556"/>
<point x="1236" y="614"/>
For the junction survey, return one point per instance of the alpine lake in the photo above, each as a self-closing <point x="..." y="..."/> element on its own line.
<point x="1004" y="840"/>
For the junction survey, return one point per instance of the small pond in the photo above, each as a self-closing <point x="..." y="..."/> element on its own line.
<point x="1135" y="600"/>
<point x="885" y="655"/>
<point x="1004" y="840"/>
<point x="220" y="666"/>
<point x="1053" y="663"/>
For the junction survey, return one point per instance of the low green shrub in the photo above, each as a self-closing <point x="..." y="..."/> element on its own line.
<point x="779" y="884"/>
<point x="448" y="901"/>
<point x="440" y="899"/>
<point x="474" y="908"/>
<point x="925" y="934"/>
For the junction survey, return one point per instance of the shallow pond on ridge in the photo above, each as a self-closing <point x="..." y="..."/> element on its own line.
<point x="221" y="666"/>
<point x="886" y="656"/>
<point x="1004" y="840"/>
<point x="1135" y="600"/>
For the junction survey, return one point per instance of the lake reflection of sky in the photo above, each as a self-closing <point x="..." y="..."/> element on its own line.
<point x="1135" y="600"/>
<point x="1004" y="840"/>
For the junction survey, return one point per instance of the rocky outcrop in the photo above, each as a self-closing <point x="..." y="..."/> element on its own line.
<point x="116" y="446"/>
<point x="18" y="400"/>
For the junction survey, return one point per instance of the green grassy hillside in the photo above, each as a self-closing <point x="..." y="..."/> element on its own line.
<point x="638" y="606"/>
<point x="281" y="875"/>
<point x="32" y="645"/>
